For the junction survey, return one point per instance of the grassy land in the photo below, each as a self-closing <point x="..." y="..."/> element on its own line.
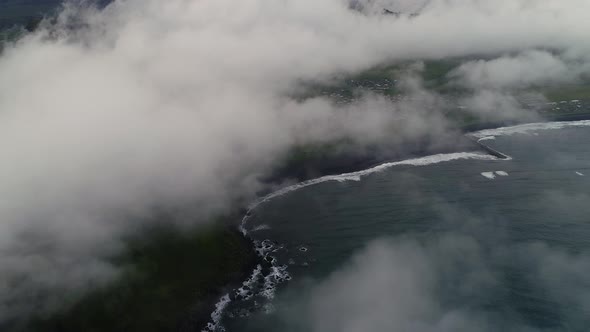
<point x="580" y="92"/>
<point x="170" y="278"/>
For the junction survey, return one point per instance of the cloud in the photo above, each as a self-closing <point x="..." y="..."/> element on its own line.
<point x="377" y="7"/>
<point x="110" y="114"/>
<point x="393" y="285"/>
<point x="563" y="274"/>
<point x="494" y="105"/>
<point x="531" y="68"/>
<point x="447" y="284"/>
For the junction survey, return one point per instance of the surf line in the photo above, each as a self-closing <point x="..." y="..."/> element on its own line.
<point x="356" y="176"/>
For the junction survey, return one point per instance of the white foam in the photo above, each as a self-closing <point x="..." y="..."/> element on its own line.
<point x="277" y="275"/>
<point x="260" y="228"/>
<point x="580" y="173"/>
<point x="265" y="247"/>
<point x="501" y="173"/>
<point x="246" y="291"/>
<point x="526" y="128"/>
<point x="489" y="175"/>
<point x="214" y="324"/>
<point x="487" y="138"/>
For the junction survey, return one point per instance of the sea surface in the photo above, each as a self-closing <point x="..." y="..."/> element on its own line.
<point x="456" y="242"/>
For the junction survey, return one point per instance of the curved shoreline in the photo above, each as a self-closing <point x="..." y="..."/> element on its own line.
<point x="473" y="136"/>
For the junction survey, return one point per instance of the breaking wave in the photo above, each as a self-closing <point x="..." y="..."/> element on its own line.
<point x="356" y="176"/>
<point x="214" y="324"/>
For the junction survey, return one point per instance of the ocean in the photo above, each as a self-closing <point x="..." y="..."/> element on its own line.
<point x="454" y="242"/>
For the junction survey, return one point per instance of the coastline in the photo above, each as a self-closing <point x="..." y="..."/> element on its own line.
<point x="357" y="165"/>
<point x="200" y="316"/>
<point x="175" y="278"/>
<point x="170" y="280"/>
<point x="241" y="262"/>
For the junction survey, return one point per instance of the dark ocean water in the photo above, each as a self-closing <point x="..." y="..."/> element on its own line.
<point x="28" y="12"/>
<point x="508" y="253"/>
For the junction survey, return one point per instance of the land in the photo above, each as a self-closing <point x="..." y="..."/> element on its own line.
<point x="170" y="281"/>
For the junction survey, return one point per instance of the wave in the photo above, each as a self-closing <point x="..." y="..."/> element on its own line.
<point x="487" y="134"/>
<point x="356" y="176"/>
<point x="245" y="292"/>
<point x="487" y="138"/>
<point x="214" y="324"/>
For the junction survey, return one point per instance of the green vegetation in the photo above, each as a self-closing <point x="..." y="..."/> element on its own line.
<point x="571" y="92"/>
<point x="435" y="74"/>
<point x="383" y="80"/>
<point x="170" y="276"/>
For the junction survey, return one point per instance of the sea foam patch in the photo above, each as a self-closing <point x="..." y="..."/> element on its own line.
<point x="492" y="174"/>
<point x="489" y="175"/>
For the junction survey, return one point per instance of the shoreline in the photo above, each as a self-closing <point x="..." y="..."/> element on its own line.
<point x="198" y="321"/>
<point x="246" y="212"/>
<point x="245" y="255"/>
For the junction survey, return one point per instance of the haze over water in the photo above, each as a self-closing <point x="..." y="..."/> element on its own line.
<point x="438" y="247"/>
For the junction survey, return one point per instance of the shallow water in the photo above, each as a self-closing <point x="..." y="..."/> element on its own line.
<point x="505" y="244"/>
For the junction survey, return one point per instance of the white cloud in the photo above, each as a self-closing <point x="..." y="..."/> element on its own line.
<point x="532" y="68"/>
